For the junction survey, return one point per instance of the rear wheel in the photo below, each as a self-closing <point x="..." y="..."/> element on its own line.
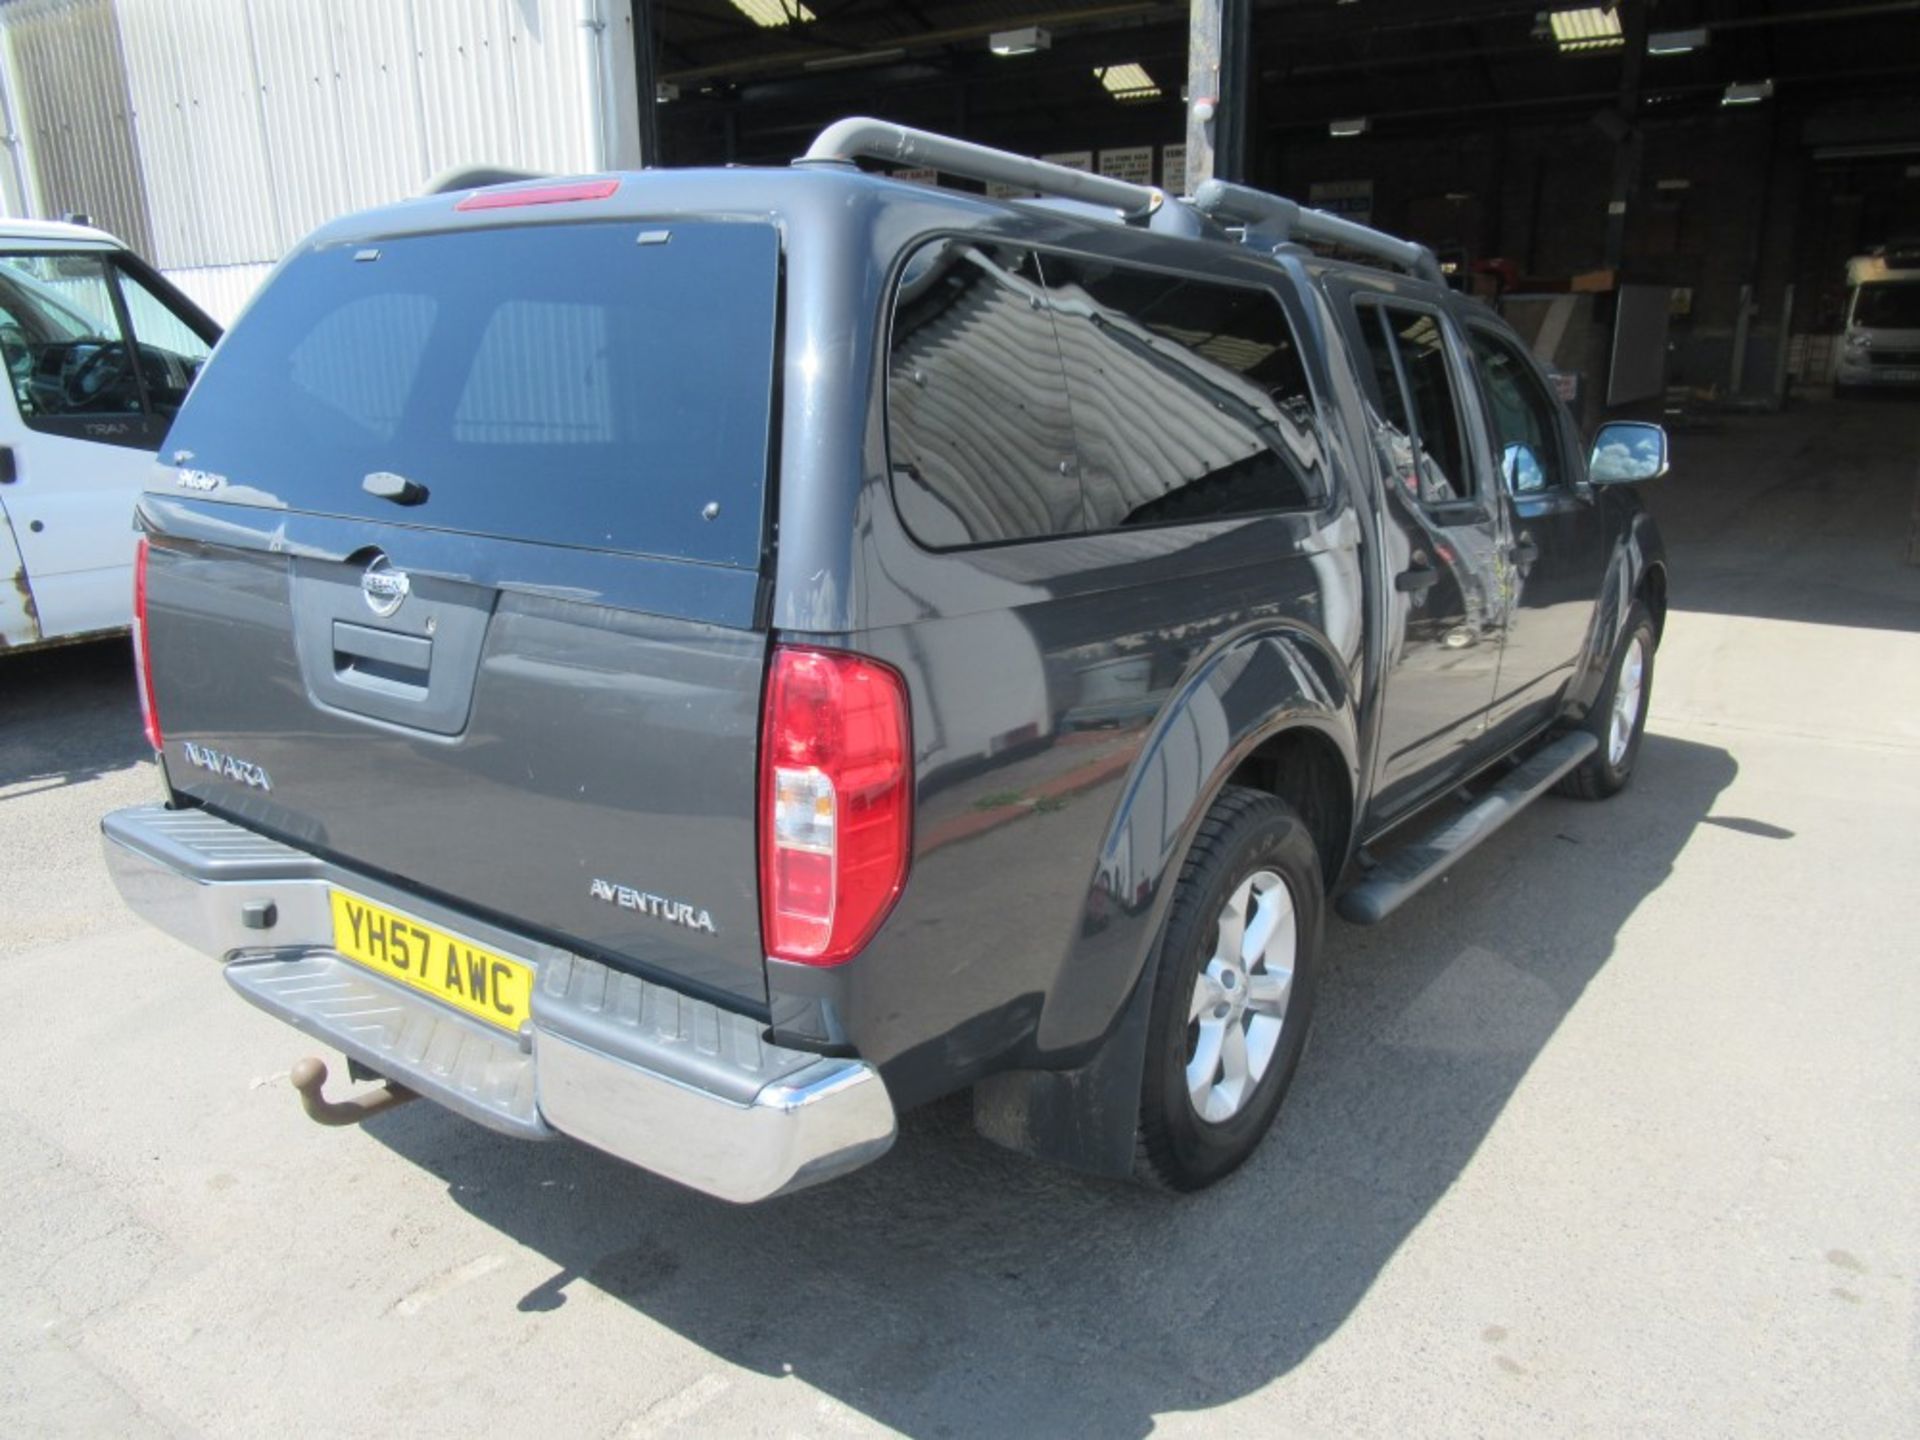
<point x="1233" y="995"/>
<point x="1619" y="714"/>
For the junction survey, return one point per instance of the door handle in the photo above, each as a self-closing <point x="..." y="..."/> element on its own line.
<point x="9" y="465"/>
<point x="1523" y="552"/>
<point x="1416" y="579"/>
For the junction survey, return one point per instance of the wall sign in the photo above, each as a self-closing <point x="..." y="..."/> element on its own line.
<point x="1173" y="169"/>
<point x="1132" y="163"/>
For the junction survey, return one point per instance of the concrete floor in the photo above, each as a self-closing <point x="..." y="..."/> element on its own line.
<point x="1616" y="1131"/>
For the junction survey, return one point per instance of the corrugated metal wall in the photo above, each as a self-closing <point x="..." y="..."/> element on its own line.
<point x="213" y="134"/>
<point x="67" y="96"/>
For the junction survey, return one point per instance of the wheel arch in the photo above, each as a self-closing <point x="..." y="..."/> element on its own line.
<point x="1304" y="767"/>
<point x="1652" y="592"/>
<point x="1270" y="710"/>
<point x="1636" y="570"/>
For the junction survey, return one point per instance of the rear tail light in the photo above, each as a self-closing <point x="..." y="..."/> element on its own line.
<point x="142" y="665"/>
<point x="836" y="819"/>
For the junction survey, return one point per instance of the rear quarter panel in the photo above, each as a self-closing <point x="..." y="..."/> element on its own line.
<point x="1075" y="703"/>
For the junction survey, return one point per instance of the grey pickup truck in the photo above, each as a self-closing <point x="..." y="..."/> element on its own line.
<point x="705" y="661"/>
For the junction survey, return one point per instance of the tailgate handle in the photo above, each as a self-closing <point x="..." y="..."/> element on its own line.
<point x="381" y="660"/>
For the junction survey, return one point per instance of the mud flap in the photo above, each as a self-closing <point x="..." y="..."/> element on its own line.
<point x="1083" y="1118"/>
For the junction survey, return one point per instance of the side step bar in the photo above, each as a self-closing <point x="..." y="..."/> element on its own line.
<point x="1401" y="875"/>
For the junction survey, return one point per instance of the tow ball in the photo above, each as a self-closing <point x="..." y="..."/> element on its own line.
<point x="309" y="1077"/>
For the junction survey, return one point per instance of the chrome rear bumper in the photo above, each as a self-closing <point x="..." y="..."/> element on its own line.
<point x="672" y="1084"/>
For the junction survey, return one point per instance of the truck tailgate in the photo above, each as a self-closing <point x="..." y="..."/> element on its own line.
<point x="581" y="772"/>
<point x="454" y="577"/>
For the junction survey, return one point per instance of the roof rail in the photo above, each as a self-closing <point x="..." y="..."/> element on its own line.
<point x="882" y="140"/>
<point x="477" y="177"/>
<point x="1273" y="220"/>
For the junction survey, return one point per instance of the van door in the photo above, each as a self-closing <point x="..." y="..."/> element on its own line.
<point x="96" y="364"/>
<point x="1443" y="536"/>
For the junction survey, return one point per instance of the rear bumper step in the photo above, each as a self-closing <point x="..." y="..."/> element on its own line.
<point x="672" y="1084"/>
<point x="1401" y="876"/>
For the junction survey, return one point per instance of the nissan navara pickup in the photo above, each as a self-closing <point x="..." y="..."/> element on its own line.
<point x="705" y="661"/>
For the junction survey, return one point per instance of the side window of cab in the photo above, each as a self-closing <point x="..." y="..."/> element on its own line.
<point x="1419" y="427"/>
<point x="90" y="351"/>
<point x="1524" y="416"/>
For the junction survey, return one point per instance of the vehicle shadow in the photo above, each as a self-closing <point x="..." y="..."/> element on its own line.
<point x="954" y="1289"/>
<point x="68" y="715"/>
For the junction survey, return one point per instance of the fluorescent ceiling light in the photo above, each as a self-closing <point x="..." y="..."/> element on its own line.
<point x="1128" y="82"/>
<point x="1343" y="129"/>
<point x="1747" y="92"/>
<point x="1019" y="42"/>
<point x="1593" y="27"/>
<point x="772" y="14"/>
<point x="1676" y="42"/>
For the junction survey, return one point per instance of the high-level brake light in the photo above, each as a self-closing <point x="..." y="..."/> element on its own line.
<point x="538" y="195"/>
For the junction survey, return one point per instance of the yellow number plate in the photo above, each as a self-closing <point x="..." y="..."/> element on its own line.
<point x="491" y="986"/>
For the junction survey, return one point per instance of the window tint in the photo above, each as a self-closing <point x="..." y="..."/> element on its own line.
<point x="557" y="382"/>
<point x="561" y="399"/>
<point x="1189" y="398"/>
<point x="359" y="362"/>
<point x="979" y="435"/>
<point x="1528" y="442"/>
<point x="1408" y="354"/>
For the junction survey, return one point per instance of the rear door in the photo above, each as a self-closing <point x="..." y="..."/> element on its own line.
<point x="1444" y="539"/>
<point x="97" y="364"/>
<point x="461" y="565"/>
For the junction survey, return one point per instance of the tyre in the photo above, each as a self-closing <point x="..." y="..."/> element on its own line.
<point x="1233" y="993"/>
<point x="1619" y="714"/>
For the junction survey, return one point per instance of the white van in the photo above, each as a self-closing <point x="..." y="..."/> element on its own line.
<point x="99" y="351"/>
<point x="1881" y="342"/>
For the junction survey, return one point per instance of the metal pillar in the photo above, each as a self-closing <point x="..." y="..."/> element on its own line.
<point x="1219" y="89"/>
<point x="1627" y="138"/>
<point x="646" y="82"/>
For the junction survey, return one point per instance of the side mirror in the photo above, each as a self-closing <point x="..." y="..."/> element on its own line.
<point x="1627" y="450"/>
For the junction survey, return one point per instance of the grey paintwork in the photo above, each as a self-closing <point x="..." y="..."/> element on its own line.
<point x="1075" y="702"/>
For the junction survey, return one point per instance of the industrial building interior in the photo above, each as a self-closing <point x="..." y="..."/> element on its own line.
<point x="1721" y="149"/>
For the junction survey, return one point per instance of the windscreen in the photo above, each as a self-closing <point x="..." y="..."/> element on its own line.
<point x="1894" y="305"/>
<point x="605" y="386"/>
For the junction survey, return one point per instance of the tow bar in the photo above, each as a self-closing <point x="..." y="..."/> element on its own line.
<point x="309" y="1077"/>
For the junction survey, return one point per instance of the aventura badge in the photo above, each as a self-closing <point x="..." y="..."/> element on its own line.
<point x="674" y="912"/>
